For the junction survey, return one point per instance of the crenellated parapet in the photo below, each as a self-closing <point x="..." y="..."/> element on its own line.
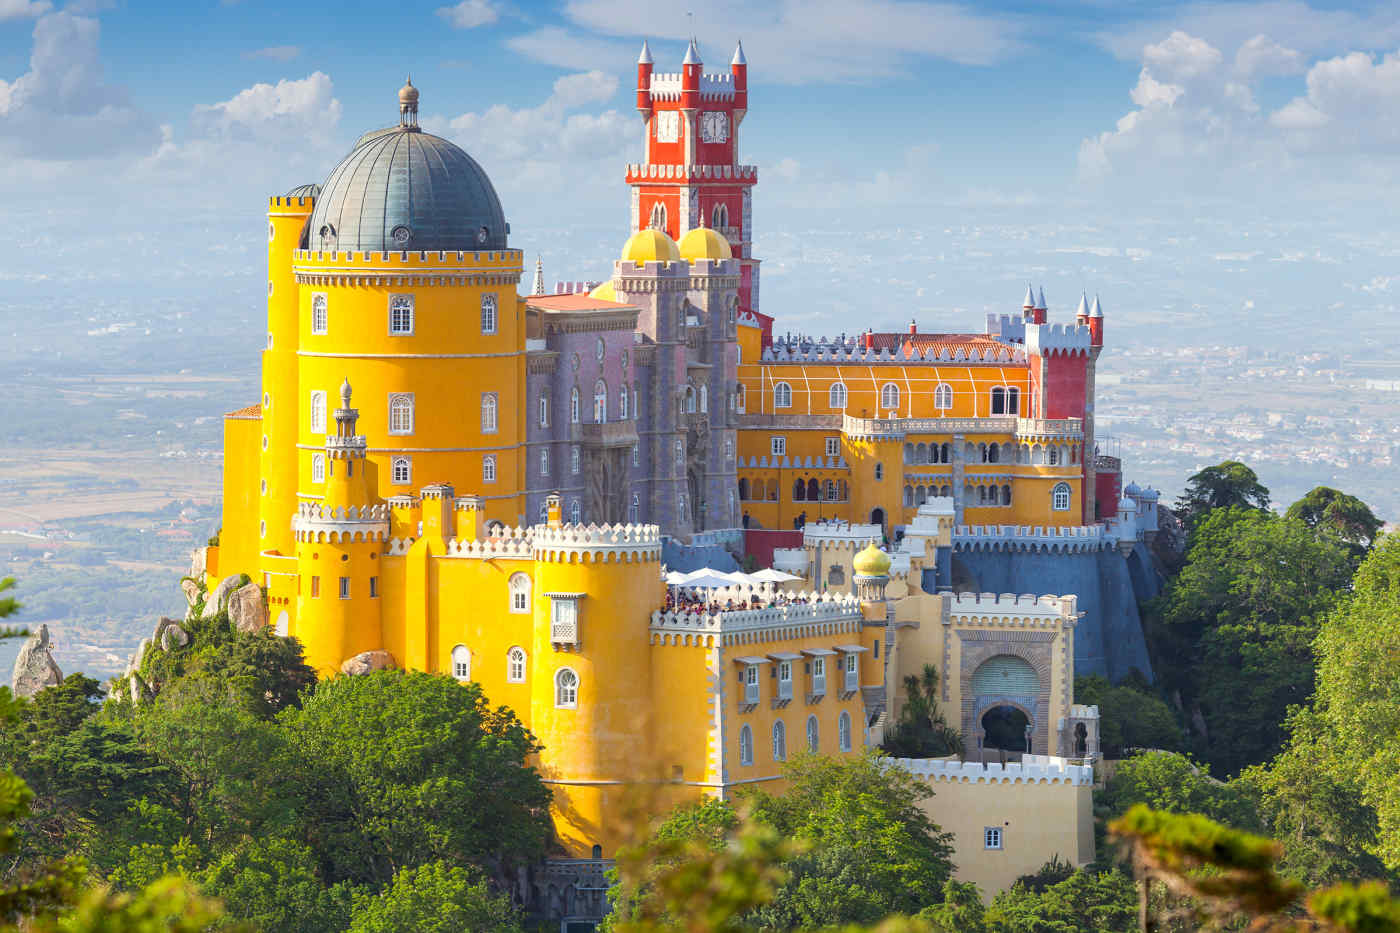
<point x="1011" y="610"/>
<point x="597" y="543"/>
<point x="850" y="351"/>
<point x="1069" y="539"/>
<point x="841" y="534"/>
<point x="798" y="463"/>
<point x="808" y="614"/>
<point x="651" y="171"/>
<point x="408" y="267"/>
<point x="1061" y="339"/>
<point x="1036" y="769"/>
<point x="322" y="523"/>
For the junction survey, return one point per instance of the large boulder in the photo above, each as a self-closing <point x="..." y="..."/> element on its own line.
<point x="199" y="562"/>
<point x="247" y="609"/>
<point x="191" y="591"/>
<point x="367" y="662"/>
<point x="35" y="668"/>
<point x="169" y="635"/>
<point x="219" y="599"/>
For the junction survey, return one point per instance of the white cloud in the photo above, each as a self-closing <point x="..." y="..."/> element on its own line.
<point x="1153" y="93"/>
<point x="62" y="108"/>
<point x="1181" y="57"/>
<point x="1261" y="56"/>
<point x="276" y="53"/>
<point x="23" y="9"/>
<point x="1352" y="102"/>
<point x="285" y="111"/>
<point x="469" y="14"/>
<point x="794" y="41"/>
<point x="562" y="48"/>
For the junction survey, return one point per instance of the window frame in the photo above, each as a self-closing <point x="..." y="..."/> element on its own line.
<point x="544" y="461"/>
<point x="575" y="512"/>
<point x="993" y="838"/>
<point x="461" y="660"/>
<point x="488" y="468"/>
<point x="544" y="410"/>
<point x="519" y="587"/>
<point x="318" y="468"/>
<point x="317" y="414"/>
<point x="320" y="314"/>
<point x="563" y="700"/>
<point x="837" y="396"/>
<point x="401" y="303"/>
<point x="490" y="413"/>
<point x="943" y="397"/>
<point x="779" y="740"/>
<point x="1055" y="493"/>
<point x="813" y="734"/>
<point x="844" y="742"/>
<point x="575" y="459"/>
<point x="394" y="471"/>
<point x="490" y="319"/>
<point x="833" y="446"/>
<point x="777" y="445"/>
<point x="745" y="745"/>
<point x="396" y="402"/>
<point x="516" y="655"/>
<point x="782" y="395"/>
<point x="888" y="391"/>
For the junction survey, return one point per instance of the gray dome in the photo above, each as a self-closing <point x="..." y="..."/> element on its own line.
<point x="403" y="189"/>
<point x="305" y="191"/>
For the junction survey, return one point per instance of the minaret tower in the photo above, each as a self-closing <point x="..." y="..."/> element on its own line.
<point x="691" y="176"/>
<point x="338" y="545"/>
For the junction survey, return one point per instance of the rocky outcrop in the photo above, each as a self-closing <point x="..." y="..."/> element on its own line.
<point x="169" y="635"/>
<point x="218" y="600"/>
<point x="191" y="591"/>
<point x="367" y="662"/>
<point x="35" y="668"/>
<point x="247" y="609"/>
<point x="199" y="564"/>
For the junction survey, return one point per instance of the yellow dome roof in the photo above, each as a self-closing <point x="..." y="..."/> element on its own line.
<point x="604" y="292"/>
<point x="704" y="243"/>
<point x="871" y="562"/>
<point x="650" y="246"/>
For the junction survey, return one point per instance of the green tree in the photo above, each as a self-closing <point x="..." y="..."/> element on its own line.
<point x="1173" y="783"/>
<point x="921" y="731"/>
<point x="275" y="887"/>
<point x="1228" y="485"/>
<point x="1346" y="518"/>
<point x="1084" y="902"/>
<point x="1358" y="694"/>
<point x="400" y="769"/>
<point x="1235" y="628"/>
<point x="961" y="910"/>
<point x="1130" y="715"/>
<point x="435" y="898"/>
<point x="8" y="607"/>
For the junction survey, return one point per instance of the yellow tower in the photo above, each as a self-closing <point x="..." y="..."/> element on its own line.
<point x="338" y="543"/>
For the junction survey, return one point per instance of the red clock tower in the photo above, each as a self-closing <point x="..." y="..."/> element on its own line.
<point x="691" y="176"/>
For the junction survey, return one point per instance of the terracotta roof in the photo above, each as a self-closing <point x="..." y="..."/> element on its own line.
<point x="579" y="301"/>
<point x="251" y="411"/>
<point x="901" y="341"/>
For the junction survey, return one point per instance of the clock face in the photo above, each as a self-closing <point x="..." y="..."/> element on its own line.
<point x="668" y="126"/>
<point x="714" y="126"/>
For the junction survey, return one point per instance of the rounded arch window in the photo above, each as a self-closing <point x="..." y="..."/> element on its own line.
<point x="566" y="689"/>
<point x="943" y="397"/>
<point x="779" y="741"/>
<point x="812" y="734"/>
<point x="746" y="746"/>
<point x="515" y="665"/>
<point x="519" y="592"/>
<point x="836" y="396"/>
<point x="782" y="395"/>
<point x="461" y="663"/>
<point x="889" y="395"/>
<point x="600" y="401"/>
<point x="1060" y="497"/>
<point x="843" y="731"/>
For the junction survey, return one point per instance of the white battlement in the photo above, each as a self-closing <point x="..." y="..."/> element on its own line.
<point x="851" y="352"/>
<point x="312" y="511"/>
<point x="314" y="522"/>
<point x="838" y="532"/>
<point x="1057" y="338"/>
<point x="371" y="259"/>
<point x="517" y="546"/>
<point x="713" y="85"/>
<point x="720" y="172"/>
<point x="641" y="542"/>
<point x="1039" y="769"/>
<point x="818" y="608"/>
<point x="1013" y="608"/>
<point x="1071" y="538"/>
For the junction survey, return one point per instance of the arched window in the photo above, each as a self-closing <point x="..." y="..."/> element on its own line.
<point x="600" y="401"/>
<point x="799" y="490"/>
<point x="544" y="410"/>
<point x="658" y="216"/>
<point x="320" y="318"/>
<point x="1060" y="497"/>
<point x="519" y="592"/>
<point x="401" y="471"/>
<point x="719" y="217"/>
<point x="889" y="396"/>
<point x="704" y="398"/>
<point x="743" y="487"/>
<point x="622" y="404"/>
<point x="1006" y="495"/>
<point x="1052" y="455"/>
<point x="566" y="689"/>
<point x="943" y="396"/>
<point x="836" y="395"/>
<point x="318" y="413"/>
<point x="741" y="400"/>
<point x="879" y="471"/>
<point x="681" y="508"/>
<point x="843" y="731"/>
<point x="634" y="512"/>
<point x="488" y="413"/>
<point x="488" y="314"/>
<point x="745" y="746"/>
<point x="993" y="453"/>
<point x="813" y="490"/>
<point x="728" y="449"/>
<point x="782" y="395"/>
<point x="1013" y="401"/>
<point x="515" y="665"/>
<point x="576" y="512"/>
<point x="401" y="414"/>
<point x="544" y="461"/>
<point x="945" y="454"/>
<point x="688" y="406"/>
<point x="812" y="736"/>
<point x="573" y="405"/>
<point x="575" y="459"/>
<point x="488" y="468"/>
<point x="779" y="741"/>
<point x="461" y="663"/>
<point x="318" y="468"/>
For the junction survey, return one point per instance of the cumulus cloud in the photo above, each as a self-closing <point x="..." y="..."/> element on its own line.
<point x="62" y="108"/>
<point x="23" y="9"/>
<point x="469" y="14"/>
<point x="1261" y="56"/>
<point x="798" y="41"/>
<point x="276" y="53"/>
<point x="288" y="109"/>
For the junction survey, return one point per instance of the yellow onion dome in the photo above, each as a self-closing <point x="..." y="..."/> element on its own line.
<point x="650" y="245"/>
<point x="871" y="562"/>
<point x="704" y="243"/>
<point x="604" y="292"/>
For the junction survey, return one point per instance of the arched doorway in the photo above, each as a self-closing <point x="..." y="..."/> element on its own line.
<point x="877" y="517"/>
<point x="1005" y="728"/>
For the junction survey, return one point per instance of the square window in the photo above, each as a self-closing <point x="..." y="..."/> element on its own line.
<point x="373" y="587"/>
<point x="833" y="446"/>
<point x="778" y="445"/>
<point x="402" y="470"/>
<point x="344" y="587"/>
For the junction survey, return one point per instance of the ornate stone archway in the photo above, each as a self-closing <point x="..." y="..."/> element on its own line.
<point x="1035" y="648"/>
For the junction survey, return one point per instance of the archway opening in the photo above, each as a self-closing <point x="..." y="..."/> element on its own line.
<point x="877" y="517"/>
<point x="1005" y="728"/>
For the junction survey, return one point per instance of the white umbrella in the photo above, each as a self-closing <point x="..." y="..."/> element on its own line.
<point x="675" y="578"/>
<point x="708" y="580"/>
<point x="769" y="575"/>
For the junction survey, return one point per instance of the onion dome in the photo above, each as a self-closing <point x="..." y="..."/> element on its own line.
<point x="650" y="245"/>
<point x="403" y="189"/>
<point x="604" y="292"/>
<point x="871" y="562"/>
<point x="704" y="243"/>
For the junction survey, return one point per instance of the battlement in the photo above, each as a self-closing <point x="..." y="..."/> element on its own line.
<point x="1022" y="428"/>
<point x="1064" y="339"/>
<point x="713" y="86"/>
<point x="653" y="171"/>
<point x="802" y="463"/>
<point x="602" y="542"/>
<point x="1039" y="769"/>
<point x="984" y="607"/>
<point x="840" y="534"/>
<point x="1067" y="539"/>
<point x="285" y="203"/>
<point x="314" y="522"/>
<point x="824" y="350"/>
<point x="311" y="511"/>
<point x="504" y="260"/>
<point x="824" y="613"/>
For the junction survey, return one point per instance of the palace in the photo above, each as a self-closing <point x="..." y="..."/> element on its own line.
<point x="446" y="475"/>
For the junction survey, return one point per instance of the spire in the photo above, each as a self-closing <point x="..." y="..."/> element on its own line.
<point x="1030" y="298"/>
<point x="739" y="58"/>
<point x="692" y="54"/>
<point x="345" y="391"/>
<point x="1040" y="303"/>
<point x="1097" y="310"/>
<point x="539" y="277"/>
<point x="1083" y="310"/>
<point x="645" y="57"/>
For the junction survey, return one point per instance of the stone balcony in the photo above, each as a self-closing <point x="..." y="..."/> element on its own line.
<point x="606" y="434"/>
<point x="1067" y="428"/>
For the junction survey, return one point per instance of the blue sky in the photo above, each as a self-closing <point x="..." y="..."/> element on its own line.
<point x="1095" y="126"/>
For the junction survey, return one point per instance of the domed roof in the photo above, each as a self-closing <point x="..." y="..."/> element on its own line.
<point x="604" y="292"/>
<point x="871" y="562"/>
<point x="403" y="189"/>
<point x="704" y="243"/>
<point x="305" y="191"/>
<point x="650" y="246"/>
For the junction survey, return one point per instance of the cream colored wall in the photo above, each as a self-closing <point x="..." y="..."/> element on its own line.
<point x="1038" y="821"/>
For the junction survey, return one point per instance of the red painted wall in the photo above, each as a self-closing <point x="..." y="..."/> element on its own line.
<point x="760" y="542"/>
<point x="1065" y="379"/>
<point x="1108" y="489"/>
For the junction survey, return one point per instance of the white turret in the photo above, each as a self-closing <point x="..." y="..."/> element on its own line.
<point x="1030" y="298"/>
<point x="692" y="55"/>
<point x="645" y="57"/>
<point x="1081" y="313"/>
<point x="739" y="58"/>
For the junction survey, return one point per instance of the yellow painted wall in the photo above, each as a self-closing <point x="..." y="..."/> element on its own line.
<point x="811" y="385"/>
<point x="238" y="538"/>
